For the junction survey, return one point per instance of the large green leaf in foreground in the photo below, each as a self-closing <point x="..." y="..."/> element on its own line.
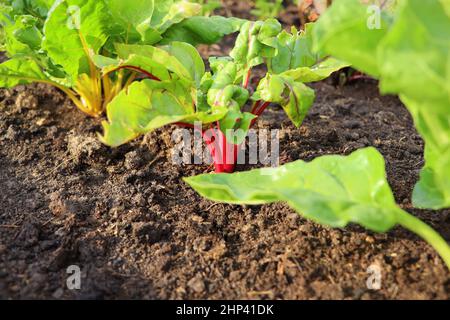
<point x="410" y="54"/>
<point x="331" y="190"/>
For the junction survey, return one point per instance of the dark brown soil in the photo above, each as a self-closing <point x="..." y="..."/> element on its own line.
<point x="137" y="231"/>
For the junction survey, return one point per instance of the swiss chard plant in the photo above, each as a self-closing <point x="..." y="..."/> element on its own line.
<point x="331" y="190"/>
<point x="408" y="49"/>
<point x="179" y="90"/>
<point x="56" y="42"/>
<point x="208" y="6"/>
<point x="266" y="9"/>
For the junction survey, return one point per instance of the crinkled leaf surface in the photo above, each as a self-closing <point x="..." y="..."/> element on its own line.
<point x="332" y="190"/>
<point x="295" y="97"/>
<point x="224" y="94"/>
<point x="256" y="41"/>
<point x="294" y="64"/>
<point x="295" y="50"/>
<point x="22" y="35"/>
<point x="38" y="8"/>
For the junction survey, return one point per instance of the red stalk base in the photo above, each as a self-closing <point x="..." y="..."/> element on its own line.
<point x="224" y="154"/>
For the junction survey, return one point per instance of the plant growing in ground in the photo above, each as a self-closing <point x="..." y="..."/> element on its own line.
<point x="331" y="190"/>
<point x="208" y="6"/>
<point x="55" y="42"/>
<point x="180" y="91"/>
<point x="408" y="49"/>
<point x="266" y="9"/>
<point x="336" y="190"/>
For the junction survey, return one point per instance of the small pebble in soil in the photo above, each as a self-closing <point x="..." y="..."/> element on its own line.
<point x="26" y="100"/>
<point x="352" y="124"/>
<point x="197" y="284"/>
<point x="58" y="293"/>
<point x="351" y="136"/>
<point x="12" y="134"/>
<point x="83" y="147"/>
<point x="148" y="232"/>
<point x="28" y="235"/>
<point x="133" y="160"/>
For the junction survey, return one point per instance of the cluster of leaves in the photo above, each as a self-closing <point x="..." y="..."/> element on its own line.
<point x="266" y="9"/>
<point x="56" y="42"/>
<point x="335" y="190"/>
<point x="180" y="90"/>
<point x="388" y="53"/>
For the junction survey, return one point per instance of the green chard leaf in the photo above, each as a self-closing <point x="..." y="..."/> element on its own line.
<point x="75" y="30"/>
<point x="134" y="19"/>
<point x="138" y="63"/>
<point x="150" y="104"/>
<point x="295" y="50"/>
<point x="295" y="97"/>
<point x="426" y="47"/>
<point x="202" y="30"/>
<point x="257" y="41"/>
<point x="433" y="123"/>
<point x="20" y="71"/>
<point x="322" y="70"/>
<point x="343" y="30"/>
<point x="22" y="36"/>
<point x="145" y="21"/>
<point x="178" y="11"/>
<point x="389" y="53"/>
<point x="425" y="89"/>
<point x="36" y="8"/>
<point x="224" y="94"/>
<point x="330" y="190"/>
<point x="169" y="57"/>
<point x="295" y="64"/>
<point x="145" y="106"/>
<point x="190" y="58"/>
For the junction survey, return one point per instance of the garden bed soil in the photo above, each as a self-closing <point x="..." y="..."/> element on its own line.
<point x="138" y="231"/>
